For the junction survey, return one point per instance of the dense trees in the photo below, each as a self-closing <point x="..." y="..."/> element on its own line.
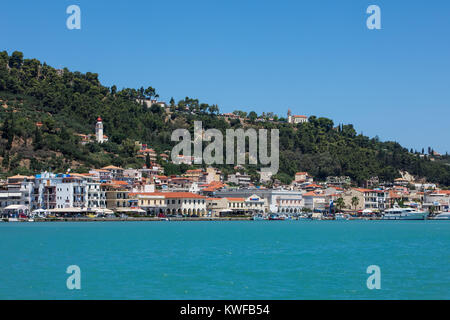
<point x="67" y="103"/>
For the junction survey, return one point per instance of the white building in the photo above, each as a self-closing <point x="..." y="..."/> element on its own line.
<point x="297" y="119"/>
<point x="185" y="203"/>
<point x="99" y="136"/>
<point x="240" y="179"/>
<point x="17" y="193"/>
<point x="71" y="193"/>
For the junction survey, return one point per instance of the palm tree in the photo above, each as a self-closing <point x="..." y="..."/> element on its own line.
<point x="355" y="202"/>
<point x="432" y="211"/>
<point x="340" y="204"/>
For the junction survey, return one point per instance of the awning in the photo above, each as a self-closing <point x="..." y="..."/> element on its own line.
<point x="105" y="211"/>
<point x="16" y="207"/>
<point x="67" y="210"/>
<point x="130" y="210"/>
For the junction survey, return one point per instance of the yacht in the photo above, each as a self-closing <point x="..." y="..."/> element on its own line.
<point x="404" y="214"/>
<point x="443" y="216"/>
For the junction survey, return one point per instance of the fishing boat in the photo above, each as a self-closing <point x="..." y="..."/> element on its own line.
<point x="258" y="217"/>
<point x="397" y="213"/>
<point x="276" y="217"/>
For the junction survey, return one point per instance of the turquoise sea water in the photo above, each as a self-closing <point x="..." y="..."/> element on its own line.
<point x="226" y="260"/>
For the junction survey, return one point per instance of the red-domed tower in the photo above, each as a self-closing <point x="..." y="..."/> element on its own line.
<point x="99" y="131"/>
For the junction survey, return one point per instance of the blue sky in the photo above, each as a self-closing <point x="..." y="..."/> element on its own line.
<point x="313" y="57"/>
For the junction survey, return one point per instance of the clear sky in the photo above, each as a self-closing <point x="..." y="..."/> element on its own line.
<point x="316" y="57"/>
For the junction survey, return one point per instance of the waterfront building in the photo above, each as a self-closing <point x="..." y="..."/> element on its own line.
<point x="272" y="195"/>
<point x="236" y="205"/>
<point x="370" y="199"/>
<point x="153" y="203"/>
<point x="438" y="199"/>
<point x="96" y="196"/>
<point x="17" y="191"/>
<point x="315" y="200"/>
<point x="256" y="204"/>
<point x="71" y="192"/>
<point x="216" y="206"/>
<point x="185" y="203"/>
<point x="289" y="203"/>
<point x="116" y="195"/>
<point x="348" y="196"/>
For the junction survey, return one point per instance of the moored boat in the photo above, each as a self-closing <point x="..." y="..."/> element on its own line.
<point x="258" y="217"/>
<point x="404" y="214"/>
<point x="276" y="217"/>
<point x="341" y="216"/>
<point x="443" y="216"/>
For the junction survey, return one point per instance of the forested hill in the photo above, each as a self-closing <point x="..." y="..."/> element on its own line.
<point x="65" y="103"/>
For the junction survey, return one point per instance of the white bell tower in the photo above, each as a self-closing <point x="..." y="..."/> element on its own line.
<point x="99" y="131"/>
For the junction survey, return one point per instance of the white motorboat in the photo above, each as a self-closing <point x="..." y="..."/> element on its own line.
<point x="341" y="216"/>
<point x="443" y="216"/>
<point x="404" y="214"/>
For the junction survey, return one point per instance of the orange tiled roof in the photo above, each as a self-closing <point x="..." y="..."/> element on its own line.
<point x="111" y="168"/>
<point x="235" y="199"/>
<point x="313" y="185"/>
<point x="194" y="171"/>
<point x="120" y="183"/>
<point x="363" y="190"/>
<point x="146" y="194"/>
<point x="183" y="195"/>
<point x="313" y="194"/>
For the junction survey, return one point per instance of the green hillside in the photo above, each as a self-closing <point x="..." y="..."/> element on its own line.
<point x="68" y="103"/>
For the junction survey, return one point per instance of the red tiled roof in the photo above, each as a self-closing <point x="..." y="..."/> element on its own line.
<point x="313" y="194"/>
<point x="111" y="168"/>
<point x="313" y="185"/>
<point x="119" y="183"/>
<point x="236" y="199"/>
<point x="183" y="195"/>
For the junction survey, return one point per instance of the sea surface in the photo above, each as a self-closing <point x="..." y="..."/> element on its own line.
<point x="226" y="260"/>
